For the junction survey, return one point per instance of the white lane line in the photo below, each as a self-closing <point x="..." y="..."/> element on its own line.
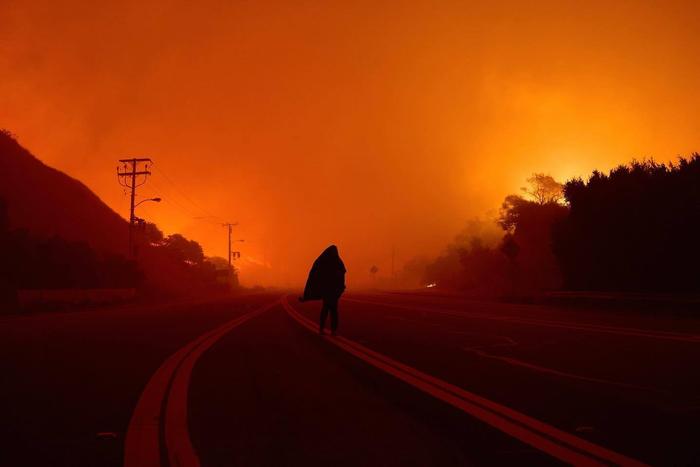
<point x="143" y="444"/>
<point x="555" y="442"/>
<point x="596" y="328"/>
<point x="552" y="371"/>
<point x="481" y="352"/>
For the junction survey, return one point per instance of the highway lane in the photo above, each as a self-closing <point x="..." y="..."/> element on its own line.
<point x="271" y="393"/>
<point x="267" y="391"/>
<point x="67" y="376"/>
<point x="635" y="394"/>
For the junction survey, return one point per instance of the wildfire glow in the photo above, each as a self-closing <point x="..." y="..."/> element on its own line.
<point x="374" y="126"/>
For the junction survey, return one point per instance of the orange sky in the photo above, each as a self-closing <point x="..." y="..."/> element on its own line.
<point x="368" y="124"/>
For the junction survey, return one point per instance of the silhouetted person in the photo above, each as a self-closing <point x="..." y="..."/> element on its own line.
<point x="326" y="282"/>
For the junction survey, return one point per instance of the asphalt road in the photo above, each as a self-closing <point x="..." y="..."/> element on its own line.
<point x="413" y="379"/>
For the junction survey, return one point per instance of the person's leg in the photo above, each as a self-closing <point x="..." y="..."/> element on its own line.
<point x="333" y="306"/>
<point x="324" y="314"/>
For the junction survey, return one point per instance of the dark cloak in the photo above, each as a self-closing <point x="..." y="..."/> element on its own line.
<point x="327" y="277"/>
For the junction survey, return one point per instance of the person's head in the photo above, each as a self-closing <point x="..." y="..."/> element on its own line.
<point x="330" y="254"/>
<point x="330" y="257"/>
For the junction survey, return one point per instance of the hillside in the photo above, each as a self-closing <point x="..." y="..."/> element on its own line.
<point x="48" y="202"/>
<point x="49" y="213"/>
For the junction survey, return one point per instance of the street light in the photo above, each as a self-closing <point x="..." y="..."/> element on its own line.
<point x="155" y="200"/>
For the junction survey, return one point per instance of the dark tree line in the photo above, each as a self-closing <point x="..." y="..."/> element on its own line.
<point x="182" y="259"/>
<point x="163" y="264"/>
<point x="635" y="229"/>
<point x="32" y="262"/>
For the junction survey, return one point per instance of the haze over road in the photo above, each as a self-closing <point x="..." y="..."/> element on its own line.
<point x="413" y="379"/>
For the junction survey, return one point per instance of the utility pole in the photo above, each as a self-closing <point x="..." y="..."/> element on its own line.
<point x="128" y="175"/>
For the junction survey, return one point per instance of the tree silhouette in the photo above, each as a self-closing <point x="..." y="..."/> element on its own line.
<point x="544" y="189"/>
<point x="184" y="250"/>
<point x="634" y="229"/>
<point x="151" y="234"/>
<point x="528" y="240"/>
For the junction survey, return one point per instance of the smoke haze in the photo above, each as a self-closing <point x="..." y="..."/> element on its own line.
<point x="370" y="125"/>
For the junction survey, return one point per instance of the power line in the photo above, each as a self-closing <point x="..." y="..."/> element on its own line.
<point x="181" y="206"/>
<point x="190" y="212"/>
<point x="185" y="196"/>
<point x="174" y="202"/>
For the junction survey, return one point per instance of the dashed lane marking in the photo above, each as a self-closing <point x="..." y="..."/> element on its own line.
<point x="596" y="328"/>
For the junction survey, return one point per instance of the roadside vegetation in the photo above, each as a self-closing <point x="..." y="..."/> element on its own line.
<point x="634" y="229"/>
<point x="31" y="261"/>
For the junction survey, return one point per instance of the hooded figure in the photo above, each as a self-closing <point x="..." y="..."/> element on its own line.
<point x="326" y="282"/>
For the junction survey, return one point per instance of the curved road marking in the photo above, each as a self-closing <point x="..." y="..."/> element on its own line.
<point x="678" y="336"/>
<point x="540" y="435"/>
<point x="169" y="386"/>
